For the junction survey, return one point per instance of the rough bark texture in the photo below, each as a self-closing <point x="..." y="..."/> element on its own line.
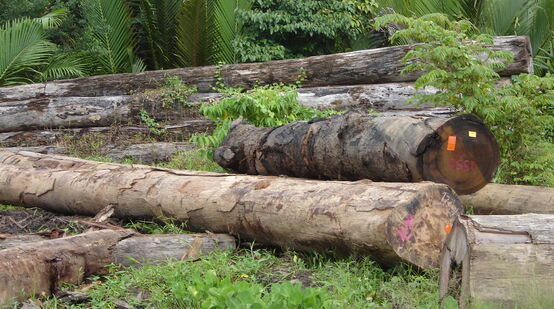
<point x="391" y="221"/>
<point x="8" y="241"/>
<point x="178" y="131"/>
<point x="504" y="259"/>
<point x="83" y="112"/>
<point x="356" y="146"/>
<point x="139" y="153"/>
<point x="379" y="65"/>
<point x="40" y="268"/>
<point x="497" y="199"/>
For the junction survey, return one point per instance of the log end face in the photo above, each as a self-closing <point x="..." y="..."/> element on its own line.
<point x="417" y="230"/>
<point x="464" y="155"/>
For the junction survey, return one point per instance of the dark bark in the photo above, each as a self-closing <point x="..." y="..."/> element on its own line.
<point x="393" y="222"/>
<point x="357" y="146"/>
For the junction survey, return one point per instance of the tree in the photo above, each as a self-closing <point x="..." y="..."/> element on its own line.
<point x="26" y="55"/>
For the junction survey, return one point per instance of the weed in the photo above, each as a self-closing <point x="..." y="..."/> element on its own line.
<point x="154" y="127"/>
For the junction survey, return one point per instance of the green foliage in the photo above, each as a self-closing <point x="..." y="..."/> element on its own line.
<point x="260" y="279"/>
<point x="289" y="29"/>
<point x="110" y="24"/>
<point x="154" y="127"/>
<point x="494" y="17"/>
<point x="264" y="106"/>
<point x="166" y="226"/>
<point x="205" y="30"/>
<point x="26" y="55"/>
<point x="192" y="161"/>
<point x="520" y="115"/>
<point x="175" y="93"/>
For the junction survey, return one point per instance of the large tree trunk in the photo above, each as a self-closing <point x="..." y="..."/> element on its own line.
<point x="391" y="221"/>
<point x="497" y="199"/>
<point x="39" y="268"/>
<point x="180" y="131"/>
<point x="503" y="259"/>
<point x="379" y="65"/>
<point x="459" y="151"/>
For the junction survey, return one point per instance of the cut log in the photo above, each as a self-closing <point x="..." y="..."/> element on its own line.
<point x="38" y="269"/>
<point x="180" y="131"/>
<point x="379" y="65"/>
<point x="497" y="199"/>
<point x="8" y="241"/>
<point x="139" y="153"/>
<point x="459" y="151"/>
<point x="505" y="260"/>
<point x="83" y="112"/>
<point x="391" y="221"/>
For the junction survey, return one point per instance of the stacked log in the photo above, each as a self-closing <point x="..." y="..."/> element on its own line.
<point x="498" y="199"/>
<point x="459" y="151"/>
<point x="393" y="222"/>
<point x="504" y="260"/>
<point x="41" y="112"/>
<point x="37" y="269"/>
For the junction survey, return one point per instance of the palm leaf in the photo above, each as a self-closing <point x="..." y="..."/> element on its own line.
<point x="205" y="31"/>
<point x="111" y="25"/>
<point x="156" y="22"/>
<point x="63" y="66"/>
<point x="23" y="47"/>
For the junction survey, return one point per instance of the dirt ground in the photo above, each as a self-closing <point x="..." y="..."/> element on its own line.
<point x="22" y="221"/>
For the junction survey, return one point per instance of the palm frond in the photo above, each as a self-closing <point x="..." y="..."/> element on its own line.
<point x="52" y="19"/>
<point x="205" y="31"/>
<point x="111" y="25"/>
<point x="196" y="34"/>
<point x="63" y="66"/>
<point x="23" y="47"/>
<point x="156" y="21"/>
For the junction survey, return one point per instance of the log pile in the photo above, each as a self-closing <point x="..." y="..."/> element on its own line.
<point x="37" y="114"/>
<point x="390" y="221"/>
<point x="500" y="258"/>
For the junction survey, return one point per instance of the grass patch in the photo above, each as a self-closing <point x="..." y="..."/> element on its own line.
<point x="193" y="161"/>
<point x="263" y="279"/>
<point x="10" y="207"/>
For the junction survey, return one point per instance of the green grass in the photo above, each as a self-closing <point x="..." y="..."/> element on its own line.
<point x="265" y="280"/>
<point x="10" y="207"/>
<point x="193" y="161"/>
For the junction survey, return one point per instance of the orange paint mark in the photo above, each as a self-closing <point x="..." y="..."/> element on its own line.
<point x="448" y="228"/>
<point x="451" y="143"/>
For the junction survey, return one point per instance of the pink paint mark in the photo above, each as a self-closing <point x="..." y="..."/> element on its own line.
<point x="459" y="163"/>
<point x="405" y="231"/>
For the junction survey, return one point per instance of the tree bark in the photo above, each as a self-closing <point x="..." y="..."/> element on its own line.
<point x="84" y="112"/>
<point x="181" y="131"/>
<point x="498" y="199"/>
<point x="505" y="260"/>
<point x="391" y="221"/>
<point x="148" y="153"/>
<point x="38" y="269"/>
<point x="379" y="65"/>
<point x="459" y="151"/>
